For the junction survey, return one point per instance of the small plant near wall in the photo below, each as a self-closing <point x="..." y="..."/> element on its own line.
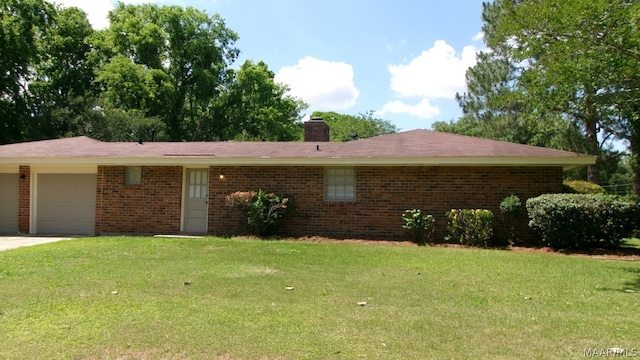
<point x="421" y="226"/>
<point x="511" y="209"/>
<point x="262" y="210"/>
<point x="472" y="227"/>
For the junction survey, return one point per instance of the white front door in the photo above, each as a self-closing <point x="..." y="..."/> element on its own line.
<point x="195" y="200"/>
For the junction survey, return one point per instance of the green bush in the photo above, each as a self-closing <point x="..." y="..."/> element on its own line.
<point x="472" y="227"/>
<point x="582" y="187"/>
<point x="421" y="226"/>
<point x="511" y="209"/>
<point x="263" y="211"/>
<point x="583" y="221"/>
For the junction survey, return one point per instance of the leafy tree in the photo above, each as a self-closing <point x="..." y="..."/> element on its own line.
<point x="497" y="107"/>
<point x="253" y="107"/>
<point x="346" y="127"/>
<point x="579" y="60"/>
<point x="22" y="23"/>
<point x="63" y="83"/>
<point x="177" y="58"/>
<point x="110" y="124"/>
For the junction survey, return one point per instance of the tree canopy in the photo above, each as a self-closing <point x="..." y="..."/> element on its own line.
<point x="560" y="73"/>
<point x="22" y="25"/>
<point x="157" y="72"/>
<point x="348" y="127"/>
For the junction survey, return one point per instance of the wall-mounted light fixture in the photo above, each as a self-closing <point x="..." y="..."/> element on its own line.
<point x="23" y="176"/>
<point x="221" y="177"/>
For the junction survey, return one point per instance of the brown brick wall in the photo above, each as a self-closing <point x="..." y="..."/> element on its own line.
<point x="24" y="199"/>
<point x="382" y="195"/>
<point x="149" y="208"/>
<point x="99" y="188"/>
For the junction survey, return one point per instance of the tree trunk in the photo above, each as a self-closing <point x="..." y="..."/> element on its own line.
<point x="634" y="162"/>
<point x="594" y="148"/>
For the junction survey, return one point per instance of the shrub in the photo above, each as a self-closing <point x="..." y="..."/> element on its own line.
<point x="582" y="187"/>
<point x="263" y="211"/>
<point x="583" y="221"/>
<point x="469" y="226"/>
<point x="511" y="209"/>
<point x="421" y="226"/>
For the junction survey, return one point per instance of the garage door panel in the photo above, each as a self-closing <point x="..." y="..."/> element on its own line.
<point x="9" y="203"/>
<point x="66" y="203"/>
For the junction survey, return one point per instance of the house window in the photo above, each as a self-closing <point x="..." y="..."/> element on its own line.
<point x="198" y="184"/>
<point x="132" y="175"/>
<point x="340" y="184"/>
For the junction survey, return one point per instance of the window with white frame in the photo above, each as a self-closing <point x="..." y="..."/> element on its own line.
<point x="339" y="184"/>
<point x="132" y="175"/>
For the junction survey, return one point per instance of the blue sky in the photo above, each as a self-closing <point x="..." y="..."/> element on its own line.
<point x="404" y="59"/>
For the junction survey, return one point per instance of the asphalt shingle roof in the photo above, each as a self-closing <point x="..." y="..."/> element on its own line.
<point x="418" y="145"/>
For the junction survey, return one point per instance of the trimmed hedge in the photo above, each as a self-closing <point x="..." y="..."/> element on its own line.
<point x="582" y="187"/>
<point x="583" y="221"/>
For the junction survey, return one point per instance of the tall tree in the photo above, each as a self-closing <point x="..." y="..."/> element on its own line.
<point x="253" y="107"/>
<point x="22" y="23"/>
<point x="179" y="57"/>
<point x="347" y="127"/>
<point x="63" y="85"/>
<point x="496" y="106"/>
<point x="581" y="60"/>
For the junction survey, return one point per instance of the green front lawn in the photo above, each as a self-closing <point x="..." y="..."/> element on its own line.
<point x="213" y="298"/>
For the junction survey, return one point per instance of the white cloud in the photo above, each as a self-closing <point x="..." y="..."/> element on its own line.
<point x="479" y="36"/>
<point x="437" y="73"/>
<point x="97" y="10"/>
<point x="422" y="110"/>
<point x="324" y="85"/>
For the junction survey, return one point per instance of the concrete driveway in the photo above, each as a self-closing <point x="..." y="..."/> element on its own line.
<point x="12" y="242"/>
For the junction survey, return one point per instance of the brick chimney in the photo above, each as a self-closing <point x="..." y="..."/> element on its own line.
<point x="316" y="130"/>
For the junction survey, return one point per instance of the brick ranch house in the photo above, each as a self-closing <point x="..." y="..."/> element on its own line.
<point x="356" y="189"/>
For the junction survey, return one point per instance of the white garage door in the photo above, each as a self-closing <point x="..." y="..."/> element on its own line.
<point x="66" y="204"/>
<point x="9" y="199"/>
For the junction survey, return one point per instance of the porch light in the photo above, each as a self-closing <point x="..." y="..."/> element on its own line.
<point x="221" y="176"/>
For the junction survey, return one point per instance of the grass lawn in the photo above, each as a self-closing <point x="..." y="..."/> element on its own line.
<point x="126" y="298"/>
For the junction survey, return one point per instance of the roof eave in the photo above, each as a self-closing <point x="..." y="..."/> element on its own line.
<point x="567" y="163"/>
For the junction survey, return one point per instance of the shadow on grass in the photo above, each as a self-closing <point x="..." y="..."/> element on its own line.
<point x="631" y="286"/>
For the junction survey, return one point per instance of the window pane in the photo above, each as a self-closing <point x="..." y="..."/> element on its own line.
<point x="198" y="184"/>
<point x="340" y="184"/>
<point x="132" y="175"/>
